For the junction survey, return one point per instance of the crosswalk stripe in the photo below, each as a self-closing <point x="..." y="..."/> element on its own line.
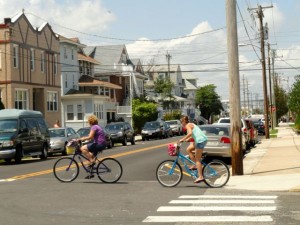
<point x="230" y="196"/>
<point x="222" y="201"/>
<point x="157" y="219"/>
<point x="213" y="208"/>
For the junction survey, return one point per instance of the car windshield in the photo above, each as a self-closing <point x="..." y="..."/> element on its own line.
<point x="151" y="125"/>
<point x="215" y="130"/>
<point x="114" y="127"/>
<point x="224" y="121"/>
<point x="8" y="126"/>
<point x="57" y="132"/>
<point x="83" y="132"/>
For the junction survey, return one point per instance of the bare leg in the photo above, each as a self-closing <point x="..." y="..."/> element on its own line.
<point x="87" y="153"/>
<point x="198" y="155"/>
<point x="191" y="151"/>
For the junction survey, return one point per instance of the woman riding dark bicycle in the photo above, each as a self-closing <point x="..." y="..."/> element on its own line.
<point x="96" y="134"/>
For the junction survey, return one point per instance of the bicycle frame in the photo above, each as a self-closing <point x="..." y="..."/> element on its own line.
<point x="183" y="159"/>
<point x="81" y="158"/>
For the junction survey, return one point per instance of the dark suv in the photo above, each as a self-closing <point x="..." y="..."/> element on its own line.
<point x="121" y="132"/>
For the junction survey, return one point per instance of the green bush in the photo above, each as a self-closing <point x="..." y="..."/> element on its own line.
<point x="174" y="115"/>
<point x="297" y="122"/>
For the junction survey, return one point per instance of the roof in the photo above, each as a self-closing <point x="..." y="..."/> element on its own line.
<point x="188" y="76"/>
<point x="6" y="113"/>
<point x="189" y="86"/>
<point x="161" y="68"/>
<point x="86" y="80"/>
<point x="87" y="58"/>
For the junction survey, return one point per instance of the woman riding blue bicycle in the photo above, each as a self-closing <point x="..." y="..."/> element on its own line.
<point x="195" y="149"/>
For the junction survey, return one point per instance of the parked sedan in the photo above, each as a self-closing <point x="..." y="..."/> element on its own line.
<point x="218" y="140"/>
<point x="152" y="129"/>
<point x="176" y="126"/>
<point x="83" y="132"/>
<point x="59" y="137"/>
<point x="260" y="126"/>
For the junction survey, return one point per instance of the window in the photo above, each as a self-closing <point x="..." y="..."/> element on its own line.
<point x="15" y="56"/>
<point x="55" y="65"/>
<point x="66" y="81"/>
<point x="52" y="101"/>
<point x="79" y="112"/>
<point x="65" y="53"/>
<point x="21" y="99"/>
<point x="70" y="112"/>
<point x="72" y="56"/>
<point x="32" y="59"/>
<point x="42" y="62"/>
<point x="98" y="110"/>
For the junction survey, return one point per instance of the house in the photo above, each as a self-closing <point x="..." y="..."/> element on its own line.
<point x="30" y="67"/>
<point x="155" y="72"/>
<point x="84" y="94"/>
<point x="116" y="68"/>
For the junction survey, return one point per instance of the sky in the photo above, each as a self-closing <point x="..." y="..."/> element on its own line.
<point x="193" y="32"/>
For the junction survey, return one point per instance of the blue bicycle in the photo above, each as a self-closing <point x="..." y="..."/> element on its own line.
<point x="169" y="172"/>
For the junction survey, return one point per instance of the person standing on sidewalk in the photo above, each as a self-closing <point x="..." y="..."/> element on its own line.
<point x="195" y="149"/>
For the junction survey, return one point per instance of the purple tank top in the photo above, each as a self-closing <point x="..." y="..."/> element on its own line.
<point x="99" y="137"/>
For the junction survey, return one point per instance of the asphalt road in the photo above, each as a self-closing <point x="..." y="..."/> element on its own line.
<point x="30" y="195"/>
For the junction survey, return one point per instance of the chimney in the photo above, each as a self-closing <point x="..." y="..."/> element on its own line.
<point x="7" y="20"/>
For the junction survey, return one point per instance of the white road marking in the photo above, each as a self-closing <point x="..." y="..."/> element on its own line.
<point x="169" y="219"/>
<point x="214" y="208"/>
<point x="230" y="196"/>
<point x="222" y="201"/>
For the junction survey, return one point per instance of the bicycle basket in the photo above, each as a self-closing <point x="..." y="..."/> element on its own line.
<point x="71" y="146"/>
<point x="172" y="149"/>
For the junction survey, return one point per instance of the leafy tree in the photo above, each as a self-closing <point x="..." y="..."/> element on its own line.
<point x="294" y="97"/>
<point x="281" y="101"/>
<point x="143" y="111"/>
<point x="209" y="101"/>
<point x="164" y="88"/>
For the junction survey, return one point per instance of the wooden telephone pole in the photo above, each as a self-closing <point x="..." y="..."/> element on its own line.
<point x="234" y="88"/>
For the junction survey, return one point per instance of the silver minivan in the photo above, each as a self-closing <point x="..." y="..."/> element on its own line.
<point x="23" y="133"/>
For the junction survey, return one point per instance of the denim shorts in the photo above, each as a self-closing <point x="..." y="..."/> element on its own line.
<point x="95" y="147"/>
<point x="200" y="145"/>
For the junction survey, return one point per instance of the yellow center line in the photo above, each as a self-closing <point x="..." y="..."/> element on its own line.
<point x="39" y="173"/>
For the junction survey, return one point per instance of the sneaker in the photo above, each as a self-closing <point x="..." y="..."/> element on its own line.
<point x="90" y="176"/>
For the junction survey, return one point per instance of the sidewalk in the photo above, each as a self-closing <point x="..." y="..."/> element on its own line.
<point x="273" y="165"/>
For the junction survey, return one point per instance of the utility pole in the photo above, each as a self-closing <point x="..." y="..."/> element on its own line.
<point x="234" y="89"/>
<point x="248" y="109"/>
<point x="270" y="87"/>
<point x="244" y="94"/>
<point x="273" y="76"/>
<point x="260" y="15"/>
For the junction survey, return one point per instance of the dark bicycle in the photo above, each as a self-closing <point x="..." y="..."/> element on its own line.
<point x="66" y="169"/>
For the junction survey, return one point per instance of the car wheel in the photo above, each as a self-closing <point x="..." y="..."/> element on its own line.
<point x="109" y="144"/>
<point x="143" y="138"/>
<point x="65" y="150"/>
<point x="125" y="141"/>
<point x="133" y="140"/>
<point x="44" y="154"/>
<point x="7" y="160"/>
<point x="112" y="143"/>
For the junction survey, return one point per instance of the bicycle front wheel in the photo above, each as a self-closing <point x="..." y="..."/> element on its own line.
<point x="169" y="173"/>
<point x="216" y="173"/>
<point x="66" y="169"/>
<point x="109" y="170"/>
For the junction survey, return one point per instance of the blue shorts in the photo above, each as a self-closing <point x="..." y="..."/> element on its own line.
<point x="200" y="145"/>
<point x="95" y="147"/>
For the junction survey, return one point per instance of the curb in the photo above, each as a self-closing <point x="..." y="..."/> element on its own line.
<point x="295" y="189"/>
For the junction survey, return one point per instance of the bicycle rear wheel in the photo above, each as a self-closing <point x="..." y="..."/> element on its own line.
<point x="216" y="173"/>
<point x="109" y="170"/>
<point x="168" y="173"/>
<point x="66" y="169"/>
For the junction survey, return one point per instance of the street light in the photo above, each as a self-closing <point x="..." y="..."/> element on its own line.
<point x="264" y="79"/>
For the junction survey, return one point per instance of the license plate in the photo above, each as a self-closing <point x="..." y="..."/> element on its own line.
<point x="212" y="143"/>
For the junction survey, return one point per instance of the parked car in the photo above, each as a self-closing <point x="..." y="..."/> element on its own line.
<point x="253" y="132"/>
<point x="260" y="126"/>
<point x="244" y="128"/>
<point x="176" y="126"/>
<point x="23" y="133"/>
<point x="121" y="132"/>
<point x="167" y="130"/>
<point x="152" y="129"/>
<point x="83" y="132"/>
<point x="59" y="138"/>
<point x="219" y="140"/>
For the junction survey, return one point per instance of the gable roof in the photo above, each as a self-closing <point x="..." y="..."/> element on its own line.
<point x="86" y="80"/>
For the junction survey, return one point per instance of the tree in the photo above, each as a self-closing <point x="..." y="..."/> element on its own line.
<point x="209" y="101"/>
<point x="143" y="111"/>
<point x="294" y="99"/>
<point x="281" y="101"/>
<point x="164" y="88"/>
